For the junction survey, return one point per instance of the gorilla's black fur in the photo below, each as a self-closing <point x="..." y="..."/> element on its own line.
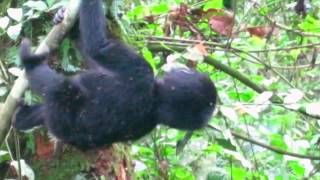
<point x="117" y="98"/>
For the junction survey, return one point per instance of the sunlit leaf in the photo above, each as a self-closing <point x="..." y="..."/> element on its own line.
<point x="313" y="108"/>
<point x="4" y="22"/>
<point x="137" y="11"/>
<point x="3" y="91"/>
<point x="252" y="111"/>
<point x="15" y="13"/>
<point x="15" y="71"/>
<point x="230" y="113"/>
<point x="277" y="140"/>
<point x="147" y="54"/>
<point x="37" y="5"/>
<point x="296" y="168"/>
<point x="182" y="173"/>
<point x="4" y="156"/>
<point x="292" y="98"/>
<point x="25" y="169"/>
<point x="159" y="9"/>
<point x="263" y="97"/>
<point x="139" y="166"/>
<point x="217" y="4"/>
<point x="57" y="5"/>
<point x="14" y="31"/>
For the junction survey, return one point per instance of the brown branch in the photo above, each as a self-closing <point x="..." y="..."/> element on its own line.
<point x="258" y="88"/>
<point x="51" y="42"/>
<point x="210" y="46"/>
<point x="188" y="42"/>
<point x="235" y="74"/>
<point x="266" y="146"/>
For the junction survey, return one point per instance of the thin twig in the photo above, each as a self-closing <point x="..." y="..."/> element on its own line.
<point x="266" y="146"/>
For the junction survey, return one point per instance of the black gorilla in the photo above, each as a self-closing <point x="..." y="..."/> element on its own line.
<point x="117" y="98"/>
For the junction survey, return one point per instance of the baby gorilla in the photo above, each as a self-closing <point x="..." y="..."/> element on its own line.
<point x="117" y="98"/>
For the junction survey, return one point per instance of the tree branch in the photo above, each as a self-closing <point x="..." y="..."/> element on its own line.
<point x="272" y="148"/>
<point x="233" y="73"/>
<point x="50" y="43"/>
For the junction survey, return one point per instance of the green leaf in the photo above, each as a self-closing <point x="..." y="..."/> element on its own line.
<point x="168" y="150"/>
<point x="182" y="173"/>
<point x="136" y="12"/>
<point x="160" y="9"/>
<point x="257" y="42"/>
<point x="239" y="173"/>
<point x="50" y="2"/>
<point x="264" y="10"/>
<point x="244" y="96"/>
<point x="145" y="151"/>
<point x="226" y="144"/>
<point x="295" y="53"/>
<point x="310" y="24"/>
<point x="296" y="168"/>
<point x="277" y="140"/>
<point x="279" y="178"/>
<point x="216" y="4"/>
<point x="4" y="156"/>
<point x="147" y="54"/>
